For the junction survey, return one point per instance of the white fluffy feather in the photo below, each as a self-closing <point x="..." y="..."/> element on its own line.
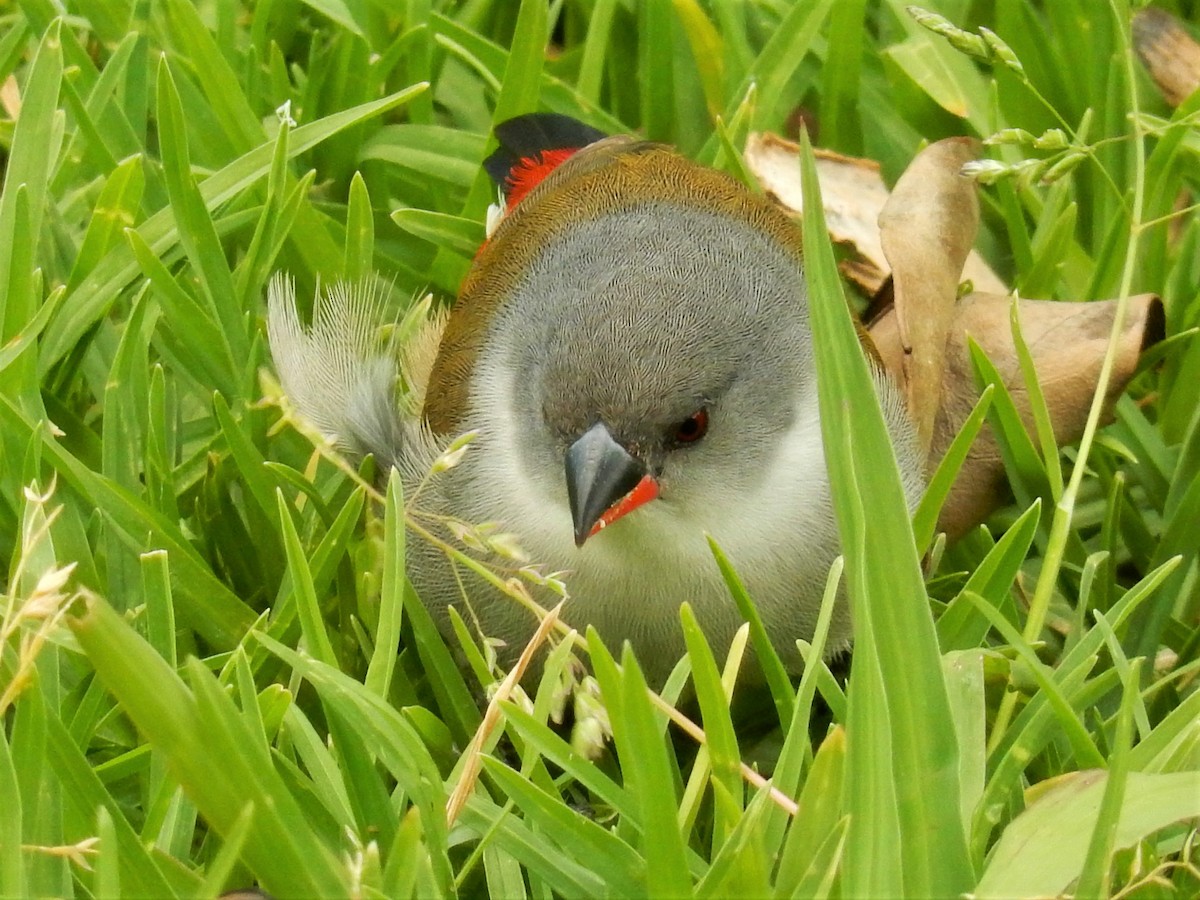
<point x="335" y="371"/>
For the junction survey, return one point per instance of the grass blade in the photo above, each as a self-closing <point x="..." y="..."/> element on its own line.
<point x="886" y="588"/>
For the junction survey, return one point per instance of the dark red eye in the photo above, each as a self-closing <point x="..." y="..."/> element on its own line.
<point x="693" y="427"/>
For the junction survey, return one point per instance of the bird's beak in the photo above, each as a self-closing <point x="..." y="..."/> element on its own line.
<point x="604" y="482"/>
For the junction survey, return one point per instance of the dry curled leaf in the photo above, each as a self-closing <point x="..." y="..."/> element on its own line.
<point x="852" y="191"/>
<point x="926" y="229"/>
<point x="1067" y="342"/>
<point x="1169" y="53"/>
<point x="853" y="195"/>
<point x="920" y="236"/>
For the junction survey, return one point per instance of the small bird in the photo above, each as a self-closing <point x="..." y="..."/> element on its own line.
<point x="632" y="349"/>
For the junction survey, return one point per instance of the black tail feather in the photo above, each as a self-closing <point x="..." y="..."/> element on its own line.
<point x="524" y="137"/>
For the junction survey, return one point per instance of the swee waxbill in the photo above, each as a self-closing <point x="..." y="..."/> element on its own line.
<point x="632" y="346"/>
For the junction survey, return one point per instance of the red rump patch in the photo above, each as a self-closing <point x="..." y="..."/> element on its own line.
<point x="530" y="170"/>
<point x="530" y="147"/>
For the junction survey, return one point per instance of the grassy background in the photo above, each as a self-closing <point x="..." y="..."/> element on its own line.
<point x="198" y="682"/>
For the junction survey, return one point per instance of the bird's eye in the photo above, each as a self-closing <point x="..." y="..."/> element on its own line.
<point x="693" y="427"/>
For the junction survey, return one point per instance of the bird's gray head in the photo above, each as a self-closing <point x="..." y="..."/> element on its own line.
<point x="659" y="342"/>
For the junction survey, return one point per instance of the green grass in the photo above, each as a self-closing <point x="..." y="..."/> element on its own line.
<point x="198" y="689"/>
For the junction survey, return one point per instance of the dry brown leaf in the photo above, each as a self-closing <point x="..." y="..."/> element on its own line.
<point x="852" y="191"/>
<point x="853" y="194"/>
<point x="927" y="228"/>
<point x="1168" y="52"/>
<point x="1067" y="342"/>
<point x="10" y="97"/>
